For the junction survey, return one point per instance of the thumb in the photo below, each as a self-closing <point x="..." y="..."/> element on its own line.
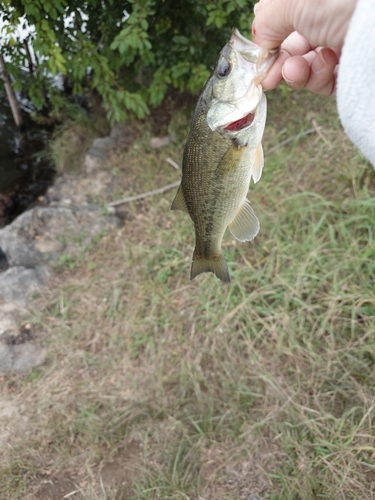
<point x="320" y="22"/>
<point x="273" y="22"/>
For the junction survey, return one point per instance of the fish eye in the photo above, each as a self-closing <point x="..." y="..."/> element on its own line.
<point x="223" y="69"/>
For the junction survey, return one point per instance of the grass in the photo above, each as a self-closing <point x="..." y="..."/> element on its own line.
<point x="161" y="388"/>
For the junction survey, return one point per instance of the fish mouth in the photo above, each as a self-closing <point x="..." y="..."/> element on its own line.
<point x="241" y="123"/>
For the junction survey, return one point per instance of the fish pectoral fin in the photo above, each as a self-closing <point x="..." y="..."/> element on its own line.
<point x="216" y="265"/>
<point x="245" y="225"/>
<point x="179" y="202"/>
<point x="258" y="164"/>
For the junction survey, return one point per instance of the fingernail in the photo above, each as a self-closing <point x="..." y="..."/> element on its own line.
<point x="318" y="63"/>
<point x="256" y="8"/>
<point x="288" y="82"/>
<point x="291" y="84"/>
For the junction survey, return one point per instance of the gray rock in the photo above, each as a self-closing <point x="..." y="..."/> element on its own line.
<point x="93" y="161"/>
<point x="102" y="144"/>
<point x="17" y="353"/>
<point x="160" y="142"/>
<point x="8" y="325"/>
<point x="17" y="283"/>
<point x="40" y="235"/>
<point x="67" y="223"/>
<point x="79" y="190"/>
<point x="9" y="307"/>
<point x="98" y="154"/>
<point x="27" y="356"/>
<point x="18" y="240"/>
<point x="20" y="358"/>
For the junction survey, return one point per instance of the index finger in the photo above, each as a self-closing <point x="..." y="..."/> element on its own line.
<point x="271" y="25"/>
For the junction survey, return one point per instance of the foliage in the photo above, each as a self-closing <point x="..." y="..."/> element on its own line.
<point x="129" y="52"/>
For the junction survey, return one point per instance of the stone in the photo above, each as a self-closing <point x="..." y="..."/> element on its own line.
<point x="103" y="143"/>
<point x="160" y="142"/>
<point x="49" y="246"/>
<point x="26" y="356"/>
<point x="17" y="240"/>
<point x="40" y="235"/>
<point x="9" y="307"/>
<point x="64" y="222"/>
<point x="93" y="161"/>
<point x="8" y="325"/>
<point x="17" y="283"/>
<point x="20" y="358"/>
<point x="121" y="136"/>
<point x="17" y="352"/>
<point x="98" y="154"/>
<point x="80" y="189"/>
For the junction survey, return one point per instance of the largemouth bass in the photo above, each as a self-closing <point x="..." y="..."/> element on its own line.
<point x="223" y="152"/>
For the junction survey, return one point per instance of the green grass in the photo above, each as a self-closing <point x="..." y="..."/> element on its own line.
<point x="157" y="387"/>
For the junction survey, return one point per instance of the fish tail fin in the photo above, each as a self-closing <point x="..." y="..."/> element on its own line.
<point x="216" y="265"/>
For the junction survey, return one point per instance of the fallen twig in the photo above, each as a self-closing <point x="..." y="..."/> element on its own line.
<point x="161" y="190"/>
<point x="173" y="163"/>
<point x="70" y="494"/>
<point x="112" y="205"/>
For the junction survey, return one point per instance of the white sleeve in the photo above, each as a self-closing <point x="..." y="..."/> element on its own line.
<point x="356" y="79"/>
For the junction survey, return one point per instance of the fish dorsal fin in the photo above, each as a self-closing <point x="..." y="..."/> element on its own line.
<point x="179" y="202"/>
<point x="245" y="225"/>
<point x="258" y="164"/>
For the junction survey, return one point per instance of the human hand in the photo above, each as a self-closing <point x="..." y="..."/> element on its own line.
<point x="311" y="34"/>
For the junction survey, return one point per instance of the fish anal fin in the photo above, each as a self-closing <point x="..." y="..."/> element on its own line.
<point x="245" y="226"/>
<point x="179" y="202"/>
<point x="216" y="264"/>
<point x="258" y="164"/>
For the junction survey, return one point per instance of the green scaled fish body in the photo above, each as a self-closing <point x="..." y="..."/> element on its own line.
<point x="223" y="152"/>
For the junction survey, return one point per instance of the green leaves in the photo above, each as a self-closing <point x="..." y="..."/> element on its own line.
<point x="121" y="104"/>
<point x="36" y="95"/>
<point x="132" y="41"/>
<point x="56" y="62"/>
<point x="158" y="88"/>
<point x="130" y="52"/>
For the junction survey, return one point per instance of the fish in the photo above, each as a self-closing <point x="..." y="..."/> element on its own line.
<point x="223" y="152"/>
